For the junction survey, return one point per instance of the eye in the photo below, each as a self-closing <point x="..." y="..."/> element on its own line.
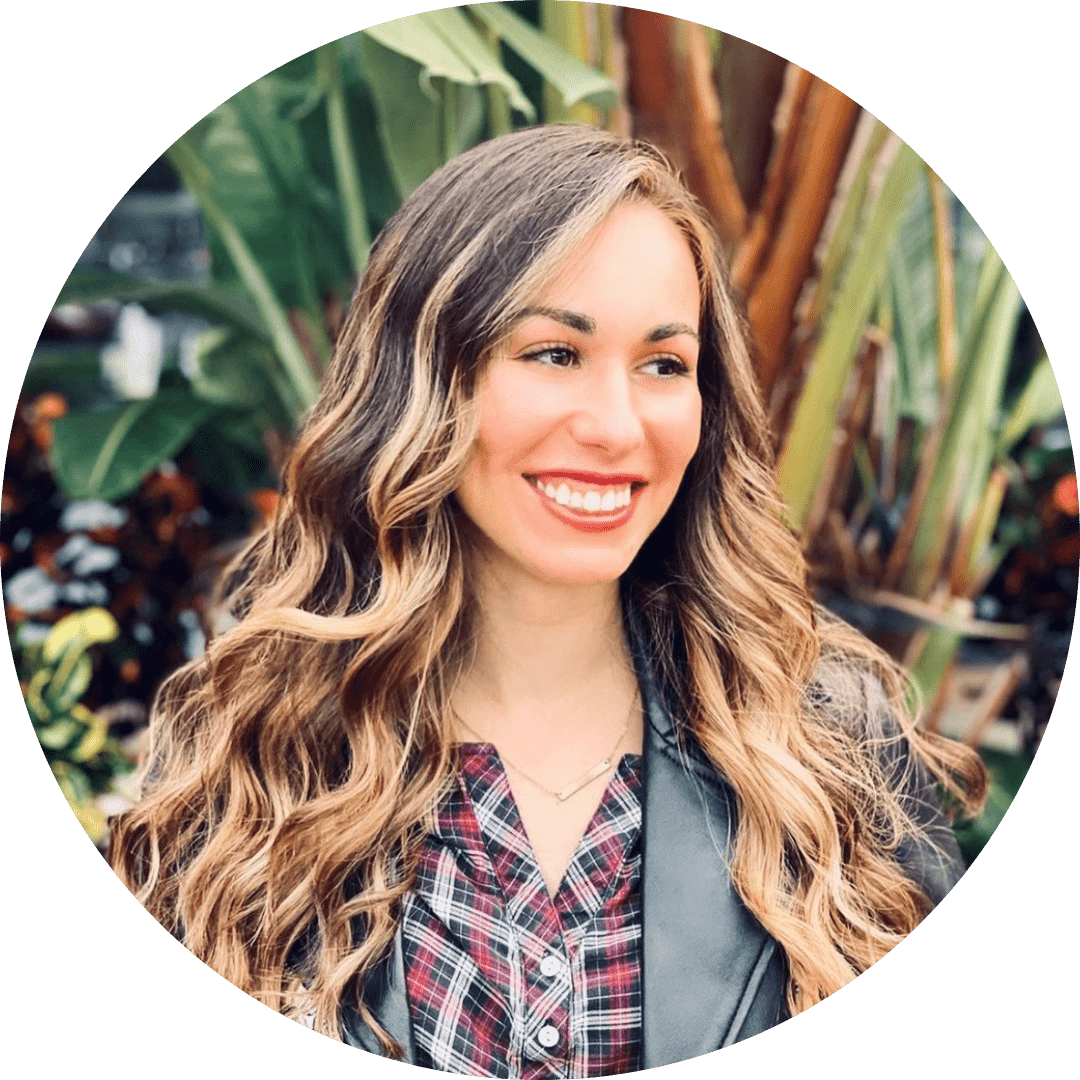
<point x="666" y="366"/>
<point x="561" y="356"/>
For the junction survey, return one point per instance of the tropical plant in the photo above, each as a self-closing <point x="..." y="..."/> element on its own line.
<point x="57" y="672"/>
<point x="293" y="175"/>
<point x="885" y="324"/>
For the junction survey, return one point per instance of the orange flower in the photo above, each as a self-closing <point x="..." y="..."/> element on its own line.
<point x="1064" y="497"/>
<point x="49" y="406"/>
<point x="265" y="501"/>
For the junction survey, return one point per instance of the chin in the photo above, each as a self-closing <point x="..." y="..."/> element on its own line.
<point x="580" y="568"/>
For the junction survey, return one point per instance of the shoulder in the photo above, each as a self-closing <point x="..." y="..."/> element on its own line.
<point x="854" y="701"/>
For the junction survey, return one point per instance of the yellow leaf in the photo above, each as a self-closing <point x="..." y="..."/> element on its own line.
<point x="91" y="819"/>
<point x="91" y="743"/>
<point x="85" y="627"/>
<point x="58" y="734"/>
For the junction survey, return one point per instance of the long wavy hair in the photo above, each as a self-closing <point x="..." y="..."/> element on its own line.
<point x="294" y="767"/>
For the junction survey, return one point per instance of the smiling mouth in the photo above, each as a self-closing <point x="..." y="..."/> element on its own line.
<point x="599" y="499"/>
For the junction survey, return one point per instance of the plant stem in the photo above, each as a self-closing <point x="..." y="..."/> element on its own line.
<point x="194" y="174"/>
<point x="350" y="191"/>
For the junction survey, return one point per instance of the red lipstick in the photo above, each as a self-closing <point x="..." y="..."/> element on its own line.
<point x="592" y="521"/>
<point x="600" y="479"/>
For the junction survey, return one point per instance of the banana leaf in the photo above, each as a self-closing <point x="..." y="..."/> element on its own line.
<point x="963" y="464"/>
<point x="200" y="181"/>
<point x="214" y="302"/>
<point x="912" y="285"/>
<point x="417" y="133"/>
<point x="803" y="458"/>
<point x="105" y="455"/>
<point x="445" y="44"/>
<point x="1038" y="403"/>
<point x="574" y="80"/>
<point x="347" y="174"/>
<point x="235" y="371"/>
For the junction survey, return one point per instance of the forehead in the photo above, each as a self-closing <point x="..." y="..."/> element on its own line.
<point x="637" y="259"/>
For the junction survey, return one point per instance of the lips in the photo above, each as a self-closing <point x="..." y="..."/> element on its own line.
<point x="593" y="502"/>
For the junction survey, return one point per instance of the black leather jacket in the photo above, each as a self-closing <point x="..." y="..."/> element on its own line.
<point x="711" y="975"/>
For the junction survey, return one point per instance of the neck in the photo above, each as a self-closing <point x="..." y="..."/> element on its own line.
<point x="542" y="649"/>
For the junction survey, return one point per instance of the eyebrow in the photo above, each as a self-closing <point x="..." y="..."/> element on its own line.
<point x="670" y="330"/>
<point x="584" y="324"/>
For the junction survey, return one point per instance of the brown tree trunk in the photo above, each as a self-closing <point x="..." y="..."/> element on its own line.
<point x="827" y="126"/>
<point x="675" y="105"/>
<point x="749" y="79"/>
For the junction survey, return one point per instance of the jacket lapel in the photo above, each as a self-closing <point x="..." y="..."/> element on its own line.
<point x="385" y="996"/>
<point x="710" y="974"/>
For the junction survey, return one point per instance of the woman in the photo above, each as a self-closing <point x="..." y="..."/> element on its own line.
<point x="530" y="752"/>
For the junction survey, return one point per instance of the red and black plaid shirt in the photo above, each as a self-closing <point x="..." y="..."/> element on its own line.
<point x="504" y="981"/>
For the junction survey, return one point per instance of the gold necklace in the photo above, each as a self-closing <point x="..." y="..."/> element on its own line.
<point x="582" y="781"/>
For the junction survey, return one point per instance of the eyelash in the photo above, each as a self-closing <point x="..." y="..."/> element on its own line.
<point x="539" y="354"/>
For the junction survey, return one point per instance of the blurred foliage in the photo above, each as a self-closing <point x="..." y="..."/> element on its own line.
<point x="921" y="443"/>
<point x="149" y="557"/>
<point x="54" y="676"/>
<point x="1007" y="772"/>
<point x="294" y="174"/>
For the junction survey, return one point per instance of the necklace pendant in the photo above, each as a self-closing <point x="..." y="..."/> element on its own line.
<point x="597" y="770"/>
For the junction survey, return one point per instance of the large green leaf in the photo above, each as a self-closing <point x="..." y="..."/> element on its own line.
<point x="229" y="454"/>
<point x="417" y="133"/>
<point x="854" y="208"/>
<point x="932" y="659"/>
<point x="238" y="181"/>
<point x="211" y="301"/>
<point x="197" y="177"/>
<point x="235" y="371"/>
<point x="810" y="437"/>
<point x="255" y="152"/>
<point x="963" y="463"/>
<point x="574" y="80"/>
<point x="913" y="285"/>
<point x="445" y="44"/>
<point x="970" y="245"/>
<point x="65" y="368"/>
<point x="346" y="172"/>
<point x="1038" y="403"/>
<point x="380" y="193"/>
<point x="105" y="455"/>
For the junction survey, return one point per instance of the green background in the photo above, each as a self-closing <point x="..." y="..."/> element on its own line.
<point x="984" y="92"/>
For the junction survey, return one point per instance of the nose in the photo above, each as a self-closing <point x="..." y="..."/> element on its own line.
<point x="607" y="417"/>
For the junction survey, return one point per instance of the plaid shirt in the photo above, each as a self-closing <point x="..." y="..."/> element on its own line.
<point x="503" y="981"/>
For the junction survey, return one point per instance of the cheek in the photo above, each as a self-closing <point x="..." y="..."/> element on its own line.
<point x="510" y="418"/>
<point x="682" y="437"/>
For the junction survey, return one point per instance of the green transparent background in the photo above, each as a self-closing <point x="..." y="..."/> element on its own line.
<point x="984" y="92"/>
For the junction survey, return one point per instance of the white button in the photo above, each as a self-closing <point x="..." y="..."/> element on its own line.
<point x="548" y="1036"/>
<point x="550" y="965"/>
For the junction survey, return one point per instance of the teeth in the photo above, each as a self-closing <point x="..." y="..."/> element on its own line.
<point x="592" y="501"/>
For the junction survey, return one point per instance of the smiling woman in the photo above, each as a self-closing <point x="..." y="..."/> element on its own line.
<point x="590" y="410"/>
<point x="529" y="753"/>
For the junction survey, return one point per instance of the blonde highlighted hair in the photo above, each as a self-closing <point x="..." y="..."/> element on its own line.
<point x="294" y="766"/>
